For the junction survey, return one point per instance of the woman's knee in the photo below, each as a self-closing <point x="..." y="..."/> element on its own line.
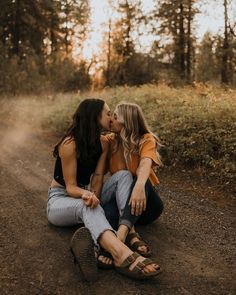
<point x="97" y="211"/>
<point x="123" y="174"/>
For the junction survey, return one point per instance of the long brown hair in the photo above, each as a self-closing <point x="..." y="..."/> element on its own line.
<point x="85" y="129"/>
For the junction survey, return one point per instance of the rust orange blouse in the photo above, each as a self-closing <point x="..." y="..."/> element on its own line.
<point x="147" y="150"/>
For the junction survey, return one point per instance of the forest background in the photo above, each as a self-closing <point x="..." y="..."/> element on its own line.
<point x="149" y="52"/>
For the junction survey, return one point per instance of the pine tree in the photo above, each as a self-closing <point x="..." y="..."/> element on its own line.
<point x="176" y="23"/>
<point x="206" y="61"/>
<point x="120" y="43"/>
<point x="75" y="18"/>
<point x="23" y="26"/>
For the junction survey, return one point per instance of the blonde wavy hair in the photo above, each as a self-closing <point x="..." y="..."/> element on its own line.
<point x="134" y="127"/>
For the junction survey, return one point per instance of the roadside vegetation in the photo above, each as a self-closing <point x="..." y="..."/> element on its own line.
<point x="196" y="124"/>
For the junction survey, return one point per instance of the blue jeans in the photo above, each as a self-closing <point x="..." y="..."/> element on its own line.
<point x="63" y="210"/>
<point x="117" y="215"/>
<point x="117" y="190"/>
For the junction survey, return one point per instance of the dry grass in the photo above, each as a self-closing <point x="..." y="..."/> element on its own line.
<point x="197" y="125"/>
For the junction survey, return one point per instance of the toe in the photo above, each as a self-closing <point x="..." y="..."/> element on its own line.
<point x="143" y="249"/>
<point x="104" y="259"/>
<point x="101" y="258"/>
<point x="149" y="268"/>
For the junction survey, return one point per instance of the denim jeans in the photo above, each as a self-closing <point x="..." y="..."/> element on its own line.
<point x="118" y="188"/>
<point x="63" y="210"/>
<point x="115" y="213"/>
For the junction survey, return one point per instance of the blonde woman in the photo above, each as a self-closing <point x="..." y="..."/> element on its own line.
<point x="130" y="196"/>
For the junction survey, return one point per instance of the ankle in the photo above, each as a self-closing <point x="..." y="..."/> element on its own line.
<point x="122" y="254"/>
<point x="122" y="232"/>
<point x="121" y="237"/>
<point x="132" y="230"/>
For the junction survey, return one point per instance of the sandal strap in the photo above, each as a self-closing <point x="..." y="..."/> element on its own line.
<point x="130" y="237"/>
<point x="138" y="244"/>
<point x="141" y="265"/>
<point x="147" y="261"/>
<point x="129" y="260"/>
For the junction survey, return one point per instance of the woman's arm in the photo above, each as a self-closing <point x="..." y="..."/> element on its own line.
<point x="68" y="157"/>
<point x="138" y="197"/>
<point x="148" y="158"/>
<point x="97" y="177"/>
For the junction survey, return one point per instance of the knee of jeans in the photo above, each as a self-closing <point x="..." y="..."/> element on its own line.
<point x="124" y="173"/>
<point x="79" y="206"/>
<point x="97" y="210"/>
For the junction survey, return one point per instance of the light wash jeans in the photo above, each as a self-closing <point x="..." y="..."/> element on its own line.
<point x="118" y="187"/>
<point x="63" y="210"/>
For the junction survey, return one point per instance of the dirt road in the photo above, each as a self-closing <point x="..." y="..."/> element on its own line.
<point x="194" y="240"/>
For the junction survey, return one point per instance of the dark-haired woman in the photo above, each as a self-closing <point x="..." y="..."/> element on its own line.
<point x="74" y="194"/>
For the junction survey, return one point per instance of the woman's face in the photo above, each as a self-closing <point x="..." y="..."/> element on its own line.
<point x="105" y="117"/>
<point x="116" y="125"/>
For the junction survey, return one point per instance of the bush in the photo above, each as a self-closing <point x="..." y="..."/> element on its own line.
<point x="197" y="125"/>
<point x="66" y="76"/>
<point x="31" y="75"/>
<point x="22" y="76"/>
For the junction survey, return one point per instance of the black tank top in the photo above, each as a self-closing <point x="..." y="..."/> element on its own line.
<point x="84" y="169"/>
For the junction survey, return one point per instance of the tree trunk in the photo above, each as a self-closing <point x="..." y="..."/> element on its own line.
<point x="67" y="29"/>
<point x="224" y="68"/>
<point x="189" y="41"/>
<point x="109" y="55"/>
<point x="52" y="33"/>
<point x="16" y="29"/>
<point x="182" y="42"/>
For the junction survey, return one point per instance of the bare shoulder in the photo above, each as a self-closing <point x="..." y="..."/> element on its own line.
<point x="67" y="147"/>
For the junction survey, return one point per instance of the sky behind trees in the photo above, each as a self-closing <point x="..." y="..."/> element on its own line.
<point x="210" y="18"/>
<point x="77" y="44"/>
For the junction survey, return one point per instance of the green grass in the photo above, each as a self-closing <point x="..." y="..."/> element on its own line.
<point x="197" y="125"/>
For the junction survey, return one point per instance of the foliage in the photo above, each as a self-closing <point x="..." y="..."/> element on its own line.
<point x="196" y="125"/>
<point x="66" y="76"/>
<point x="40" y="39"/>
<point x="36" y="39"/>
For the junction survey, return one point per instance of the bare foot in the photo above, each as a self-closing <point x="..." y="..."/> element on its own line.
<point x="104" y="259"/>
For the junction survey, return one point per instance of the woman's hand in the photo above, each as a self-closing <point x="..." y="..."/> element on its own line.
<point x="138" y="199"/>
<point x="90" y="199"/>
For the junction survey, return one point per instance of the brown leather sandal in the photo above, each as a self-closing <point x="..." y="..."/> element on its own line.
<point x="134" y="246"/>
<point x="82" y="248"/>
<point x="136" y="272"/>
